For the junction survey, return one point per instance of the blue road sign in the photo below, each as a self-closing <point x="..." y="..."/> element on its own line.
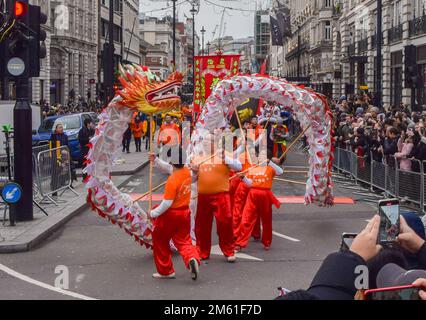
<point x="11" y="193"/>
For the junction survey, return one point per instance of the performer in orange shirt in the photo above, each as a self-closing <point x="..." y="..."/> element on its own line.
<point x="259" y="203"/>
<point x="172" y="222"/>
<point x="242" y="190"/>
<point x="214" y="200"/>
<point x="169" y="134"/>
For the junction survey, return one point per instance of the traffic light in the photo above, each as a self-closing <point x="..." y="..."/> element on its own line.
<point x="37" y="46"/>
<point x="23" y="44"/>
<point x="14" y="47"/>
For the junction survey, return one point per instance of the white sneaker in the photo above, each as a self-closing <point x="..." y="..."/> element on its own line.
<point x="193" y="267"/>
<point x="160" y="276"/>
<point x="231" y="259"/>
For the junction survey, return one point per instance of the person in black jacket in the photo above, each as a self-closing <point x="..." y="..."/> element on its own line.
<point x="390" y="144"/>
<point x="127" y="137"/>
<point x="336" y="278"/>
<point x="84" y="136"/>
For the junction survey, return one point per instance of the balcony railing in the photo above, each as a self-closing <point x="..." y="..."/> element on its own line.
<point x="395" y="34"/>
<point x="362" y="45"/>
<point x="418" y="26"/>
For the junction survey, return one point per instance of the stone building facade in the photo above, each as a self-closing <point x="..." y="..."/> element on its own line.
<point x="73" y="49"/>
<point x="403" y="24"/>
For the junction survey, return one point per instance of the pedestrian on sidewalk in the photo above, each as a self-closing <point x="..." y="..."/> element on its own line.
<point x="84" y="136"/>
<point x="59" y="172"/>
<point x="137" y="130"/>
<point x="172" y="221"/>
<point x="127" y="137"/>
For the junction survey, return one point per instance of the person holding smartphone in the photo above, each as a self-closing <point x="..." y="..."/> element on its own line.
<point x="412" y="242"/>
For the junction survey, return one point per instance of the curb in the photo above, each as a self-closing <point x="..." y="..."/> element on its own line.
<point x="35" y="236"/>
<point x="124" y="172"/>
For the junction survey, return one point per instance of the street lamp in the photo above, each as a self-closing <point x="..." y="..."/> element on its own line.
<point x="379" y="39"/>
<point x="193" y="12"/>
<point x="208" y="47"/>
<point x="203" y="31"/>
<point x="174" y="35"/>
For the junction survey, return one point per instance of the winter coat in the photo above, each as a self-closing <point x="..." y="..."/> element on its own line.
<point x="335" y="280"/>
<point x="405" y="150"/>
<point x="137" y="129"/>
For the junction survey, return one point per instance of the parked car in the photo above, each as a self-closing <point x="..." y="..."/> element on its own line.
<point x="72" y="124"/>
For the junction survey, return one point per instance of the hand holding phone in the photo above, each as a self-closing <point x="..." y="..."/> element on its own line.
<point x="410" y="292"/>
<point x="421" y="285"/>
<point x="408" y="238"/>
<point x="365" y="243"/>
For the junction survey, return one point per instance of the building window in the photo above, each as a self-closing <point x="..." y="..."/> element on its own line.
<point x="328" y="3"/>
<point x="327" y="30"/>
<point x="419" y="8"/>
<point x="396" y="78"/>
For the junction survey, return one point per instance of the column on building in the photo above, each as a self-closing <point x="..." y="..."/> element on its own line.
<point x="386" y="56"/>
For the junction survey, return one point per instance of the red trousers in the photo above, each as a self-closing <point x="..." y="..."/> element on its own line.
<point x="233" y="187"/>
<point x="218" y="206"/>
<point x="279" y="149"/>
<point x="258" y="205"/>
<point x="240" y="198"/>
<point x="174" y="224"/>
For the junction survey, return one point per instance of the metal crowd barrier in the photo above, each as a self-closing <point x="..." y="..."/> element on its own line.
<point x="53" y="173"/>
<point x="386" y="176"/>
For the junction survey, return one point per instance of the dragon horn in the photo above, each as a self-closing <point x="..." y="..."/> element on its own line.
<point x="137" y="67"/>
<point x="122" y="71"/>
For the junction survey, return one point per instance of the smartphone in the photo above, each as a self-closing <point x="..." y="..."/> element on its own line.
<point x="389" y="221"/>
<point x="347" y="239"/>
<point x="393" y="293"/>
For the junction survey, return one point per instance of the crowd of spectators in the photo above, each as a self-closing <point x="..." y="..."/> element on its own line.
<point x="381" y="134"/>
<point x="76" y="105"/>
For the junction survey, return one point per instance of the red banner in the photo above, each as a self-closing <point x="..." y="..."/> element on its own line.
<point x="209" y="70"/>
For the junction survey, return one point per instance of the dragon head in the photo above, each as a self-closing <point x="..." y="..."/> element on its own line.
<point x="143" y="91"/>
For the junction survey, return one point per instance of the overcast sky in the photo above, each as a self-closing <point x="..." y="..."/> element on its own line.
<point x="239" y="24"/>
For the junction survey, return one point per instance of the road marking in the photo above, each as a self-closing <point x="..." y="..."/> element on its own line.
<point x="284" y="236"/>
<point x="216" y="251"/>
<point x="297" y="167"/>
<point x="284" y="199"/>
<point x="25" y="278"/>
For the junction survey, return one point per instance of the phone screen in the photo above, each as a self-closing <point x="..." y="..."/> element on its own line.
<point x="398" y="294"/>
<point x="347" y="239"/>
<point x="389" y="221"/>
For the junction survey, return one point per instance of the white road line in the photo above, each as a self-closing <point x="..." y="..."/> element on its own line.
<point x="216" y="251"/>
<point x="284" y="236"/>
<point x="297" y="167"/>
<point x="25" y="278"/>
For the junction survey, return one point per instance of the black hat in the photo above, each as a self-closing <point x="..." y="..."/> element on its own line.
<point x="392" y="275"/>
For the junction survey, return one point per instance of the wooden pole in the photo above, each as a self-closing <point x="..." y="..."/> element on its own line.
<point x="294" y="142"/>
<point x="150" y="191"/>
<point x="151" y="164"/>
<point x="284" y="154"/>
<point x="243" y="135"/>
<point x="290" y="181"/>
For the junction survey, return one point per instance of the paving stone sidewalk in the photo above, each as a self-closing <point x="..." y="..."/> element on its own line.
<point x="26" y="235"/>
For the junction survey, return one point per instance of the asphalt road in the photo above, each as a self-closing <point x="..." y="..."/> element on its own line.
<point x="105" y="263"/>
